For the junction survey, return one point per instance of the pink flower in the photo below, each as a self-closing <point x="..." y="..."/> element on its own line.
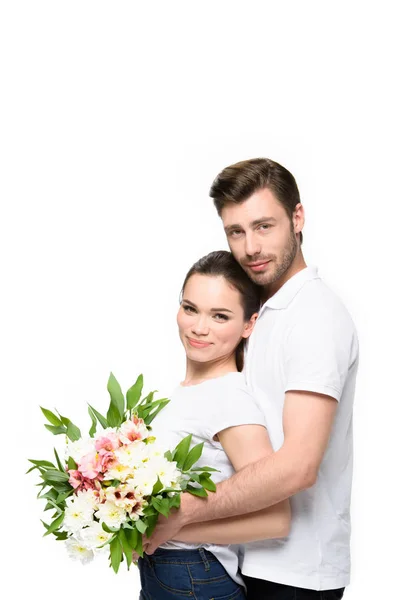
<point x="108" y="442"/>
<point x="133" y="430"/>
<point x="90" y="465"/>
<point x="79" y="482"/>
<point x="107" y="458"/>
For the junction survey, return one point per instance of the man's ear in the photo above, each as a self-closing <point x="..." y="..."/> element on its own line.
<point x="298" y="218"/>
<point x="249" y="326"/>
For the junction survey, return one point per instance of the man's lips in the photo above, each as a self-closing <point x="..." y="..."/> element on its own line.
<point x="198" y="343"/>
<point x="259" y="265"/>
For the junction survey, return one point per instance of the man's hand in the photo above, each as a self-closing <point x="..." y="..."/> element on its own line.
<point x="165" y="530"/>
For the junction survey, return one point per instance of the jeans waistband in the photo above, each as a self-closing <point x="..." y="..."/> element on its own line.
<point x="198" y="555"/>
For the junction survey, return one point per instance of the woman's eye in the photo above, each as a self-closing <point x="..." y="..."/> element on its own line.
<point x="221" y="317"/>
<point x="188" y="308"/>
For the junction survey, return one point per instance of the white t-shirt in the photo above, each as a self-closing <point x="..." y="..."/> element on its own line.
<point x="304" y="339"/>
<point x="204" y="410"/>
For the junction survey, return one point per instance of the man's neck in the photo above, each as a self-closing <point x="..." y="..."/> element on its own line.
<point x="297" y="265"/>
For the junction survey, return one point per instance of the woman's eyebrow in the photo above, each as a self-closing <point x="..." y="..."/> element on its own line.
<point x="212" y="309"/>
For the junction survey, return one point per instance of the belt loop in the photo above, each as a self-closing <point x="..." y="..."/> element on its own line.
<point x="204" y="559"/>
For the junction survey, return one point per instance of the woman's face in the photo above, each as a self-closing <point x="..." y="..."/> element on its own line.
<point x="211" y="318"/>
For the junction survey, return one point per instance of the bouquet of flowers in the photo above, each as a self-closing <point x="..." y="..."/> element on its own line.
<point x="110" y="486"/>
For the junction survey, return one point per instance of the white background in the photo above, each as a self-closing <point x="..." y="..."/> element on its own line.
<point x="115" y="119"/>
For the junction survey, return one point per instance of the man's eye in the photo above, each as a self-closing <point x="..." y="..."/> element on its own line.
<point x="235" y="233"/>
<point x="264" y="226"/>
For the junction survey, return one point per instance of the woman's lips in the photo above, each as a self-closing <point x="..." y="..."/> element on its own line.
<point x="198" y="344"/>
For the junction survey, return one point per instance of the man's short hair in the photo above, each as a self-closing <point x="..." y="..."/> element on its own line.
<point x="238" y="182"/>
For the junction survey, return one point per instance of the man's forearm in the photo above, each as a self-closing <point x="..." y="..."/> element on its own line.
<point x="257" y="486"/>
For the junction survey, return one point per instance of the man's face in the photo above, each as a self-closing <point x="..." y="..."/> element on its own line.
<point x="261" y="236"/>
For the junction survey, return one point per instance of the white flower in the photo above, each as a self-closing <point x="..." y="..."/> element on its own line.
<point x="78" y="513"/>
<point x="79" y="448"/>
<point x="90" y="498"/>
<point x="111" y="515"/>
<point x="144" y="480"/>
<point x="118" y="471"/>
<point x="132" y="454"/>
<point x="94" y="536"/>
<point x="168" y="474"/>
<point x="127" y="496"/>
<point x="78" y="551"/>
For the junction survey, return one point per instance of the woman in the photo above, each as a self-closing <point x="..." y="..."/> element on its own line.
<point x="217" y="313"/>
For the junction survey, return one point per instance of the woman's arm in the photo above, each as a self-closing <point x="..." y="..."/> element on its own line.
<point x="243" y="445"/>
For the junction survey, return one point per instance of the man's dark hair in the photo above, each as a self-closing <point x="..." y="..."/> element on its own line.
<point x="238" y="182"/>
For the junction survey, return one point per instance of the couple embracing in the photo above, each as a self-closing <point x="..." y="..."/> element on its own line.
<point x="271" y="363"/>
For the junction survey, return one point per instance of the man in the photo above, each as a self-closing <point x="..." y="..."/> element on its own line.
<point x="303" y="356"/>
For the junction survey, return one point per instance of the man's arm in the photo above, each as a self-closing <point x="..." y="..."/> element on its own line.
<point x="307" y="423"/>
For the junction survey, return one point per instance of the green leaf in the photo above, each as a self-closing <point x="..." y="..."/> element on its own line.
<point x="55" y="524"/>
<point x="60" y="466"/>
<point x="193" y="456"/>
<point x="205" y="469"/>
<point x="168" y="455"/>
<point x="115" y="412"/>
<point x="158" y="486"/>
<point x="207" y="483"/>
<point x="102" y="420"/>
<point x="126" y="547"/>
<point x="56" y="430"/>
<point x="51" y="417"/>
<point x="61" y="535"/>
<point x="73" y="432"/>
<point x="93" y="428"/>
<point x="134" y="393"/>
<point x="140" y="525"/>
<point x="53" y="475"/>
<point x="72" y="466"/>
<point x="133" y="536"/>
<point x="109" y="529"/>
<point x="51" y="494"/>
<point x="182" y="450"/>
<point x="42" y="463"/>
<point x="176" y="501"/>
<point x="162" y="506"/>
<point x="62" y="497"/>
<point x="115" y="554"/>
<point x="150" y="418"/>
<point x="197" y="491"/>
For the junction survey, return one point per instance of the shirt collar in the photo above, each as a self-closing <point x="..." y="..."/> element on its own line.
<point x="288" y="291"/>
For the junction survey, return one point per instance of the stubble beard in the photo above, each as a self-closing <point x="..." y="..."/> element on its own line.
<point x="279" y="264"/>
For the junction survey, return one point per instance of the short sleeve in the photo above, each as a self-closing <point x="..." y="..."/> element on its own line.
<point x="234" y="406"/>
<point x="319" y="351"/>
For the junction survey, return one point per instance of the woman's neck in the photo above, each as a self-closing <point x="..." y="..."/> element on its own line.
<point x="197" y="372"/>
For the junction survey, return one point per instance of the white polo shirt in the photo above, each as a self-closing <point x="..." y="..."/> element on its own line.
<point x="304" y="339"/>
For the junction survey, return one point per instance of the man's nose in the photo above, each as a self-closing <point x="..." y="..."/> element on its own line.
<point x="252" y="246"/>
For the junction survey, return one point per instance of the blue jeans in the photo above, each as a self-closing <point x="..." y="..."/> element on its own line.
<point x="197" y="574"/>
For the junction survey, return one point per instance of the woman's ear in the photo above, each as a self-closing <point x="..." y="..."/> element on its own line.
<point x="249" y="326"/>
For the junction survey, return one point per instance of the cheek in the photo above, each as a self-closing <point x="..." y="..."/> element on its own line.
<point x="231" y="334"/>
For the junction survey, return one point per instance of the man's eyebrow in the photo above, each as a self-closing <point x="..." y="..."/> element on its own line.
<point x="262" y="220"/>
<point x="212" y="309"/>
<point x="259" y="221"/>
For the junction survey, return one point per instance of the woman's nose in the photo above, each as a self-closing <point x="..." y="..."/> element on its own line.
<point x="200" y="327"/>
